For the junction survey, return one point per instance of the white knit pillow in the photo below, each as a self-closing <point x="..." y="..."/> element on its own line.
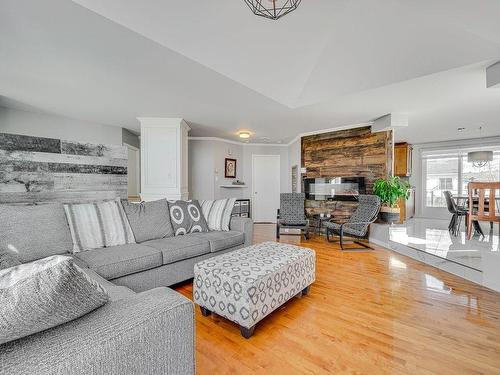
<point x="218" y="213"/>
<point x="97" y="225"/>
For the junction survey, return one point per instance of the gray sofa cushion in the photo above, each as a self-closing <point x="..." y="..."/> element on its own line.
<point x="224" y="240"/>
<point x="181" y="247"/>
<point x="187" y="217"/>
<point x="8" y="259"/>
<point x="115" y="292"/>
<point x="43" y="294"/>
<point x="148" y="333"/>
<point x="117" y="261"/>
<point x="149" y="220"/>
<point x="35" y="232"/>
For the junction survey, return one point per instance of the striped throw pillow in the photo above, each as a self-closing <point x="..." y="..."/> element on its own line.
<point x="218" y="213"/>
<point x="97" y="225"/>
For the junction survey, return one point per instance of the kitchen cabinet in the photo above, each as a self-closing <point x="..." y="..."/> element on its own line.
<point x="407" y="207"/>
<point x="403" y="159"/>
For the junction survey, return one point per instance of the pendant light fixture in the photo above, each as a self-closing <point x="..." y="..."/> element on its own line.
<point x="480" y="158"/>
<point x="272" y="9"/>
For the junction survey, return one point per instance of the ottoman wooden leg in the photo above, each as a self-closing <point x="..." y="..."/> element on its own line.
<point x="305" y="291"/>
<point x="204" y="311"/>
<point x="247" y="332"/>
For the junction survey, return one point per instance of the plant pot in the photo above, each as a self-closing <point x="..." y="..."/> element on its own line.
<point x="389" y="214"/>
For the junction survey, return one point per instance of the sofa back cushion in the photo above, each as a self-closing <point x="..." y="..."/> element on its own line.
<point x="218" y="213"/>
<point x="149" y="220"/>
<point x="186" y="217"/>
<point x="43" y="294"/>
<point x="34" y="232"/>
<point x="97" y="225"/>
<point x="8" y="259"/>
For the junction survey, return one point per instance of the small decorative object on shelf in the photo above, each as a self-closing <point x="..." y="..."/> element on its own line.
<point x="238" y="182"/>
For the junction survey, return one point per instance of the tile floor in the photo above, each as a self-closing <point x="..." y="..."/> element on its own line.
<point x="429" y="241"/>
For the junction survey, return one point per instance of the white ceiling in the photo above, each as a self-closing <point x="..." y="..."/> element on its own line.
<point x="329" y="64"/>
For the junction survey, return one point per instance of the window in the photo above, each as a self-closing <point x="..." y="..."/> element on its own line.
<point x="450" y="170"/>
<point x="442" y="174"/>
<point x="490" y="172"/>
<point x="446" y="183"/>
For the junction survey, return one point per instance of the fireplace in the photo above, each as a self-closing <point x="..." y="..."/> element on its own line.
<point x="334" y="188"/>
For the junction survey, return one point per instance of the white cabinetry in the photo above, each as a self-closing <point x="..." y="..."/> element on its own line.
<point x="164" y="158"/>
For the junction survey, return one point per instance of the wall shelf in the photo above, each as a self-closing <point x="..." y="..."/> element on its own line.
<point x="233" y="186"/>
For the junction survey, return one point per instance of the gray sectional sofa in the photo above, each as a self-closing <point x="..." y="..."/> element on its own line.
<point x="146" y="328"/>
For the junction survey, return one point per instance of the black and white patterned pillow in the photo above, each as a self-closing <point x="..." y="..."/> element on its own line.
<point x="186" y="217"/>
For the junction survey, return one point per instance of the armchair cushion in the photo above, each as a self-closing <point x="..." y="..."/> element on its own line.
<point x="359" y="222"/>
<point x="348" y="229"/>
<point x="292" y="209"/>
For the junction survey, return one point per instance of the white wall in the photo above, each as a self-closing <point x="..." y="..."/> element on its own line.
<point x="51" y="126"/>
<point x="201" y="169"/>
<point x="295" y="158"/>
<point x="223" y="150"/>
<point x="206" y="167"/>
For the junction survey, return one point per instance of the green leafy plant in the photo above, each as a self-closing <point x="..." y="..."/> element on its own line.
<point x="390" y="190"/>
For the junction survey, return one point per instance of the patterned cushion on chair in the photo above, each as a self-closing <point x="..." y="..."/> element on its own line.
<point x="349" y="230"/>
<point x="368" y="208"/>
<point x="292" y="209"/>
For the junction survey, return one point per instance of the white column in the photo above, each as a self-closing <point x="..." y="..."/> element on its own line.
<point x="164" y="158"/>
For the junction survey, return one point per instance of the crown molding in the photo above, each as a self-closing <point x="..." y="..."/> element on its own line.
<point x="295" y="139"/>
<point x="236" y="142"/>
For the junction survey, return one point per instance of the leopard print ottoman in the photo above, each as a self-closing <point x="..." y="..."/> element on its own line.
<point x="246" y="285"/>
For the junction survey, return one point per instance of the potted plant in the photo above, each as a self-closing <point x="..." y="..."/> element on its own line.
<point x="390" y="190"/>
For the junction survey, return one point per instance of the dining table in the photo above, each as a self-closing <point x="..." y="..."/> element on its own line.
<point x="462" y="201"/>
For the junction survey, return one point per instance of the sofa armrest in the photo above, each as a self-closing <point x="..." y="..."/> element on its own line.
<point x="245" y="225"/>
<point x="148" y="333"/>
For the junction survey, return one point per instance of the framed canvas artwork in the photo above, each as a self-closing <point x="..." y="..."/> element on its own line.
<point x="230" y="168"/>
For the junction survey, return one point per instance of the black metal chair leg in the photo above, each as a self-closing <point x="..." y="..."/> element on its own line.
<point x="451" y="226"/>
<point x="277" y="230"/>
<point x="328" y="235"/>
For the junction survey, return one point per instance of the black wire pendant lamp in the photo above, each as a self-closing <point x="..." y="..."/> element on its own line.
<point x="272" y="9"/>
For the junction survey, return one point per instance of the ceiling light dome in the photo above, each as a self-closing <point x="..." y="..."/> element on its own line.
<point x="244" y="134"/>
<point x="272" y="9"/>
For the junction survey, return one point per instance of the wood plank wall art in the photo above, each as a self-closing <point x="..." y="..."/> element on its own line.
<point x="346" y="153"/>
<point x="35" y="169"/>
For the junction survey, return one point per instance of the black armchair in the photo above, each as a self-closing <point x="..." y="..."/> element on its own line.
<point x="358" y="225"/>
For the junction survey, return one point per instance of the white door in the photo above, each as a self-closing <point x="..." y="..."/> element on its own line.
<point x="266" y="187"/>
<point x="133" y="171"/>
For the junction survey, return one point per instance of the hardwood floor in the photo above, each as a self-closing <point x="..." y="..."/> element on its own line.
<point x="368" y="312"/>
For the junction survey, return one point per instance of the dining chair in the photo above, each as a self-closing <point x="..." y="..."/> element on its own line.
<point x="457" y="213"/>
<point x="482" y="207"/>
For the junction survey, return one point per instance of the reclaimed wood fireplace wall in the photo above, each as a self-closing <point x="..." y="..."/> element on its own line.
<point x="346" y="153"/>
